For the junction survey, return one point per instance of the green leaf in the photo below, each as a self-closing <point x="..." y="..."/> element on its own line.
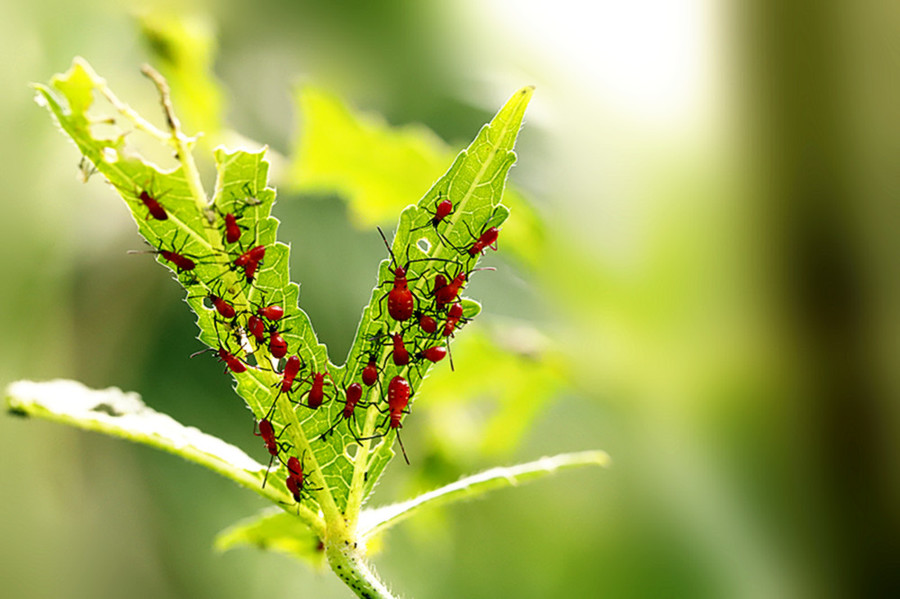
<point x="185" y="48"/>
<point x="474" y="185"/>
<point x="275" y="530"/>
<point x="377" y="520"/>
<point x="377" y="168"/>
<point x="193" y="228"/>
<point x="120" y="414"/>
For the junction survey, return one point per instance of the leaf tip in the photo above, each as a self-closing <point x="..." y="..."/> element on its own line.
<point x="600" y="458"/>
<point x="525" y="93"/>
<point x="13" y="406"/>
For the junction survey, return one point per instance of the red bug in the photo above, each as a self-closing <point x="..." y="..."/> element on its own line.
<point x="433" y="354"/>
<point x="454" y="316"/>
<point x="317" y="391"/>
<point x="181" y="262"/>
<point x="445" y="293"/>
<point x="485" y="240"/>
<point x="251" y="256"/>
<point x="296" y="481"/>
<point x="295" y="477"/>
<point x="250" y="261"/>
<point x="232" y="362"/>
<point x="295" y="469"/>
<point x="250" y="271"/>
<point x="291" y="369"/>
<point x="232" y="229"/>
<point x="399" y="353"/>
<point x="222" y="307"/>
<point x="370" y="371"/>
<point x="448" y="293"/>
<point x="277" y="345"/>
<point x="294" y="487"/>
<point x="352" y="395"/>
<point x="441" y="211"/>
<point x="399" y="392"/>
<point x="257" y="328"/>
<point x="427" y="323"/>
<point x="156" y="209"/>
<point x="440" y="281"/>
<point x="399" y="299"/>
<point x="270" y="312"/>
<point x="267" y="432"/>
<point x="398" y="399"/>
<point x="177" y="257"/>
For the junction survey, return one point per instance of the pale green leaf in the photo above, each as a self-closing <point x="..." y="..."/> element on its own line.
<point x="120" y="414"/>
<point x="474" y="185"/>
<point x="275" y="530"/>
<point x="374" y="521"/>
<point x="185" y="48"/>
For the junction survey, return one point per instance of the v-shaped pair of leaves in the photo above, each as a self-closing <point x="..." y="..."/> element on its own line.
<point x="225" y="253"/>
<point x="195" y="229"/>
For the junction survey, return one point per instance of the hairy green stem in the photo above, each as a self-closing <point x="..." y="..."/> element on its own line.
<point x="345" y="558"/>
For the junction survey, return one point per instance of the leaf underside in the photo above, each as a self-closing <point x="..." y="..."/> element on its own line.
<point x="120" y="414"/>
<point x="274" y="529"/>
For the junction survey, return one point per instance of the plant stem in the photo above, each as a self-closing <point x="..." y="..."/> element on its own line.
<point x="179" y="139"/>
<point x="345" y="558"/>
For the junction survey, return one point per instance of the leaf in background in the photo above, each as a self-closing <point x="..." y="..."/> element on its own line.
<point x="275" y="530"/>
<point x="185" y="48"/>
<point x="379" y="169"/>
<point x="511" y="374"/>
<point x="377" y="520"/>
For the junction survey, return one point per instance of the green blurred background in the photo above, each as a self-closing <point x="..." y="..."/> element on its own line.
<point x="716" y="292"/>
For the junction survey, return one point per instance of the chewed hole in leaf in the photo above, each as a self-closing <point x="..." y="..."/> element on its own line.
<point x="105" y="129"/>
<point x="424" y="244"/>
<point x="105" y="408"/>
<point x="350" y="451"/>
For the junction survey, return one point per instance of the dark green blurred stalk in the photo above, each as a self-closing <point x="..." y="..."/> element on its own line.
<point x="826" y="97"/>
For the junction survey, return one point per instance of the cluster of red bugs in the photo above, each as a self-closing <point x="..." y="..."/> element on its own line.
<point x="422" y="320"/>
<point x="251" y="328"/>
